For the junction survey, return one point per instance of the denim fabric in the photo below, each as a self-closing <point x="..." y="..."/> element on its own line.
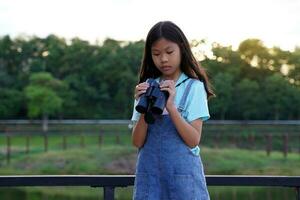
<point x="166" y="167"/>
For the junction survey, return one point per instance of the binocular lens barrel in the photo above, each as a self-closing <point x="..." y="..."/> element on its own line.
<point x="152" y="102"/>
<point x="158" y="106"/>
<point x="142" y="105"/>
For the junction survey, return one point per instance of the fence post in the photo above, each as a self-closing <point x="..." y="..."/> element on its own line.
<point x="45" y="142"/>
<point x="100" y="139"/>
<point x="299" y="145"/>
<point x="117" y="138"/>
<point x="269" y="144"/>
<point x="82" y="141"/>
<point x="285" y="145"/>
<point x="8" y="150"/>
<point x="251" y="140"/>
<point x="297" y="193"/>
<point x="64" y="142"/>
<point x="109" y="193"/>
<point x="27" y="144"/>
<point x="101" y="136"/>
<point x="233" y="140"/>
<point x="217" y="140"/>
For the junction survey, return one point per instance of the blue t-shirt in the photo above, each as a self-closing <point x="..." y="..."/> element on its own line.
<point x="196" y="106"/>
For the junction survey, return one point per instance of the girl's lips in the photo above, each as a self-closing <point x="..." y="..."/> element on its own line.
<point x="166" y="68"/>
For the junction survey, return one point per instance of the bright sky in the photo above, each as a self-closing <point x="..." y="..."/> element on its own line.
<point x="276" y="22"/>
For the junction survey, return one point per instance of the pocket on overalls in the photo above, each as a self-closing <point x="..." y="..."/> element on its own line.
<point x="141" y="187"/>
<point x="183" y="187"/>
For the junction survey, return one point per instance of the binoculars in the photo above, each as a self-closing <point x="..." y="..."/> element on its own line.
<point x="153" y="101"/>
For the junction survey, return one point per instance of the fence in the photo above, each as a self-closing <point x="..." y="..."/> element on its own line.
<point x="263" y="135"/>
<point x="289" y="134"/>
<point x="110" y="182"/>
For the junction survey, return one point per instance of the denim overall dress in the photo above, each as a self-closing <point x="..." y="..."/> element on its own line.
<point x="166" y="167"/>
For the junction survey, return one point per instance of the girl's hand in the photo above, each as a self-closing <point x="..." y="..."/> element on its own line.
<point x="140" y="89"/>
<point x="169" y="86"/>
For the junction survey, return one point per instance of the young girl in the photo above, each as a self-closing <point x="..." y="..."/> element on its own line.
<point x="169" y="166"/>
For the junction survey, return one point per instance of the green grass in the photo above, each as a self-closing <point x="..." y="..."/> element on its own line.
<point x="58" y="193"/>
<point x="246" y="162"/>
<point x="89" y="160"/>
<point x="95" y="159"/>
<point x="55" y="141"/>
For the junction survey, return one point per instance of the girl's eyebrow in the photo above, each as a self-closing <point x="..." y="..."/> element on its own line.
<point x="168" y="47"/>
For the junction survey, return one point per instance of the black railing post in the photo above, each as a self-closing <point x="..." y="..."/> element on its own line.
<point x="109" y="192"/>
<point x="297" y="193"/>
<point x="110" y="182"/>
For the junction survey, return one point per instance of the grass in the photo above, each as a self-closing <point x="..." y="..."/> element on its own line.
<point x="95" y="159"/>
<point x="91" y="160"/>
<point x="245" y="162"/>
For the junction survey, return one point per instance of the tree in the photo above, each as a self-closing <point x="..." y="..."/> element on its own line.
<point x="97" y="80"/>
<point x="246" y="99"/>
<point x="10" y="102"/>
<point x="294" y="62"/>
<point x="276" y="92"/>
<point x="42" y="95"/>
<point x="223" y="88"/>
<point x="256" y="54"/>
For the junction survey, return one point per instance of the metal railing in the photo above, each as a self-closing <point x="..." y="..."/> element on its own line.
<point x="110" y="182"/>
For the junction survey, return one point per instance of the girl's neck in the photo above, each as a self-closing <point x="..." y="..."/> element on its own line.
<point x="173" y="77"/>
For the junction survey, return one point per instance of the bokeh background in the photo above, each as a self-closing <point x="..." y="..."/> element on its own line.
<point x="68" y="70"/>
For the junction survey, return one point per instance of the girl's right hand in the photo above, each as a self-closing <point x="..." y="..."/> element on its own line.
<point x="140" y="89"/>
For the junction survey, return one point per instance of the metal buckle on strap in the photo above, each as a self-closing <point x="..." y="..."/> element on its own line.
<point x="180" y="109"/>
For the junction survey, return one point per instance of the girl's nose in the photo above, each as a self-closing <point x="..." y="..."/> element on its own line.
<point x="164" y="58"/>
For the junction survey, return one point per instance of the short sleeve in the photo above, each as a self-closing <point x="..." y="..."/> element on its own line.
<point x="135" y="114"/>
<point x="197" y="105"/>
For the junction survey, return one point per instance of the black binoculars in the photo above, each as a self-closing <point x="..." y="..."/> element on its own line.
<point x="153" y="101"/>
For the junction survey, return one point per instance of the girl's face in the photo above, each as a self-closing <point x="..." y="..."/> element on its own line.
<point x="167" y="58"/>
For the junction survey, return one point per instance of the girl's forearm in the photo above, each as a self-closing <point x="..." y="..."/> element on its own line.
<point x="190" y="135"/>
<point x="139" y="132"/>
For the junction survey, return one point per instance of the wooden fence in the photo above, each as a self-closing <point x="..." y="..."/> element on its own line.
<point x="285" y="136"/>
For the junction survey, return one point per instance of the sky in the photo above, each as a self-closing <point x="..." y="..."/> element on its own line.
<point x="275" y="22"/>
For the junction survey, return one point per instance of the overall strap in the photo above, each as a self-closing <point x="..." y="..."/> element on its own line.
<point x="184" y="96"/>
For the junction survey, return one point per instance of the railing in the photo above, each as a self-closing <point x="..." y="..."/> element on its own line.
<point x="110" y="182"/>
<point x="270" y="135"/>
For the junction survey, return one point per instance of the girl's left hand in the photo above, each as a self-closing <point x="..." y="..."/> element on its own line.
<point x="169" y="86"/>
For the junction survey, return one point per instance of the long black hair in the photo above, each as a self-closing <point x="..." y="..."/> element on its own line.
<point x="189" y="65"/>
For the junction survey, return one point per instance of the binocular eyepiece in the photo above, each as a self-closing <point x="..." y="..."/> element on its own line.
<point x="153" y="101"/>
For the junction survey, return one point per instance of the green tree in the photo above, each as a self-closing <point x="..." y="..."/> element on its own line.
<point x="294" y="63"/>
<point x="10" y="103"/>
<point x="292" y="107"/>
<point x="256" y="54"/>
<point x="247" y="97"/>
<point x="276" y="91"/>
<point x="42" y="96"/>
<point x="223" y="84"/>
<point x="98" y="79"/>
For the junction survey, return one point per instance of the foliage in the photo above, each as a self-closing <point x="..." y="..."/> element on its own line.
<point x="42" y="95"/>
<point x="97" y="80"/>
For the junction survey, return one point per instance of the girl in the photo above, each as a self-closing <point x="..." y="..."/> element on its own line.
<point x="169" y="166"/>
